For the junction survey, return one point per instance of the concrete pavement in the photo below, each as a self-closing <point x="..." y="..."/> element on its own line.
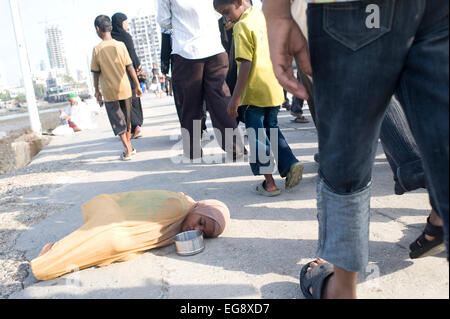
<point x="259" y="256"/>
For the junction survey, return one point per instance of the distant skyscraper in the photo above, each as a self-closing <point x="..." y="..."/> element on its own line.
<point x="55" y="47"/>
<point x="42" y="66"/>
<point x="147" y="40"/>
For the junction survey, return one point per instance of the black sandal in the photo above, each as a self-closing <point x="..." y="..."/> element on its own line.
<point x="424" y="248"/>
<point x="315" y="279"/>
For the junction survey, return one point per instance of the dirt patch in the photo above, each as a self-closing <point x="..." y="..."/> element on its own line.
<point x="16" y="217"/>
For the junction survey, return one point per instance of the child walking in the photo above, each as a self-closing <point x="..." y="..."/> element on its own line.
<point x="110" y="62"/>
<point x="258" y="96"/>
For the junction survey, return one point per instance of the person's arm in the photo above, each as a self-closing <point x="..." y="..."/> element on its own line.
<point x="132" y="52"/>
<point x="135" y="79"/>
<point x="164" y="14"/>
<point x="98" y="94"/>
<point x="244" y="74"/>
<point x="286" y="43"/>
<point x="244" y="53"/>
<point x="166" y="51"/>
<point x="130" y="68"/>
<point x="96" y="70"/>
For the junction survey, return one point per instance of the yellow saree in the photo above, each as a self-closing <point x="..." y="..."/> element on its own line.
<point x="116" y="228"/>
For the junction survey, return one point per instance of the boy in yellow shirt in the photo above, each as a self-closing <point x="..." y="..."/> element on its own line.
<point x="260" y="96"/>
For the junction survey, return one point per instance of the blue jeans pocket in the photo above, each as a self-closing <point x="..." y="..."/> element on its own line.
<point x="350" y="23"/>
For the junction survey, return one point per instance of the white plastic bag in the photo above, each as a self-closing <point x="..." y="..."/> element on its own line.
<point x="63" y="130"/>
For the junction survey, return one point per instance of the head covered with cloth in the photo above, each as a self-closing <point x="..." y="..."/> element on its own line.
<point x="73" y="98"/>
<point x="119" y="23"/>
<point x="213" y="215"/>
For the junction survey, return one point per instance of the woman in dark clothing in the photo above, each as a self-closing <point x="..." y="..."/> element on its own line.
<point x="119" y="33"/>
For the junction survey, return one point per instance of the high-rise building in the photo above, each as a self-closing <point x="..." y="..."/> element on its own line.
<point x="56" y="49"/>
<point x="42" y="66"/>
<point x="147" y="40"/>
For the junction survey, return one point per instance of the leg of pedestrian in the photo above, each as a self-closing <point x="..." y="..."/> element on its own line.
<point x="423" y="93"/>
<point x="289" y="166"/>
<point x="348" y="135"/>
<point x="188" y="85"/>
<point x="261" y="161"/>
<point x="217" y="96"/>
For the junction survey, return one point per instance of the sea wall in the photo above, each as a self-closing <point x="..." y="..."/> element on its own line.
<point x="18" y="151"/>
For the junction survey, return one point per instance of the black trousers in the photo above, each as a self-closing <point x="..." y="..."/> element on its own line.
<point x="196" y="81"/>
<point x="137" y="115"/>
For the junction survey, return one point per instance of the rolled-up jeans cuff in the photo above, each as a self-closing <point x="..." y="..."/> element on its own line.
<point x="344" y="223"/>
<point x="411" y="176"/>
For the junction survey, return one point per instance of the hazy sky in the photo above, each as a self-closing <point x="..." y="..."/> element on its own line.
<point x="76" y="19"/>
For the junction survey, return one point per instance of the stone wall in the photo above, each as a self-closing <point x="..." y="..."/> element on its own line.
<point x="20" y="146"/>
<point x="18" y="151"/>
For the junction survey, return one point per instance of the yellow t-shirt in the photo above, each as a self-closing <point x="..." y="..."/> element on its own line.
<point x="252" y="44"/>
<point x="111" y="59"/>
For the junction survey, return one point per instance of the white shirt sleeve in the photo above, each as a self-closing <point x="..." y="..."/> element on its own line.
<point x="165" y="14"/>
<point x="194" y="25"/>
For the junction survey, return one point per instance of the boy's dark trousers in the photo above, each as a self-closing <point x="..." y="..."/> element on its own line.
<point x="262" y="124"/>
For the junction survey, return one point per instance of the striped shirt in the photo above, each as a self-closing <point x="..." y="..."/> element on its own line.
<point x="194" y="25"/>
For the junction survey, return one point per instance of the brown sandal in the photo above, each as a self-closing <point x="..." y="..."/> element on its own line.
<point x="301" y="120"/>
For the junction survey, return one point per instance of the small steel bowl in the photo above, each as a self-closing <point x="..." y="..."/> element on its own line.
<point x="190" y="243"/>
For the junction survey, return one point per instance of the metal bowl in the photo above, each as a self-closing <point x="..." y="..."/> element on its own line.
<point x="190" y="243"/>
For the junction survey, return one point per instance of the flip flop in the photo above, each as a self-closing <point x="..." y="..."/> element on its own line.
<point x="125" y="158"/>
<point x="315" y="279"/>
<point x="302" y="120"/>
<point x="261" y="190"/>
<point x="295" y="175"/>
<point x="137" y="135"/>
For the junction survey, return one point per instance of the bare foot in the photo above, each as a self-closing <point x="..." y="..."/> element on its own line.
<point x="270" y="185"/>
<point x="46" y="249"/>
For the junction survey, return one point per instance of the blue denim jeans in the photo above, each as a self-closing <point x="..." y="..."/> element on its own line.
<point x="401" y="150"/>
<point x="267" y="143"/>
<point x="357" y="70"/>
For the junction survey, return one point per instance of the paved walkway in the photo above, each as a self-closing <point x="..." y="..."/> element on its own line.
<point x="259" y="256"/>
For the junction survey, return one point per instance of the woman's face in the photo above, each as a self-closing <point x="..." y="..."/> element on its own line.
<point x="199" y="222"/>
<point x="125" y="25"/>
